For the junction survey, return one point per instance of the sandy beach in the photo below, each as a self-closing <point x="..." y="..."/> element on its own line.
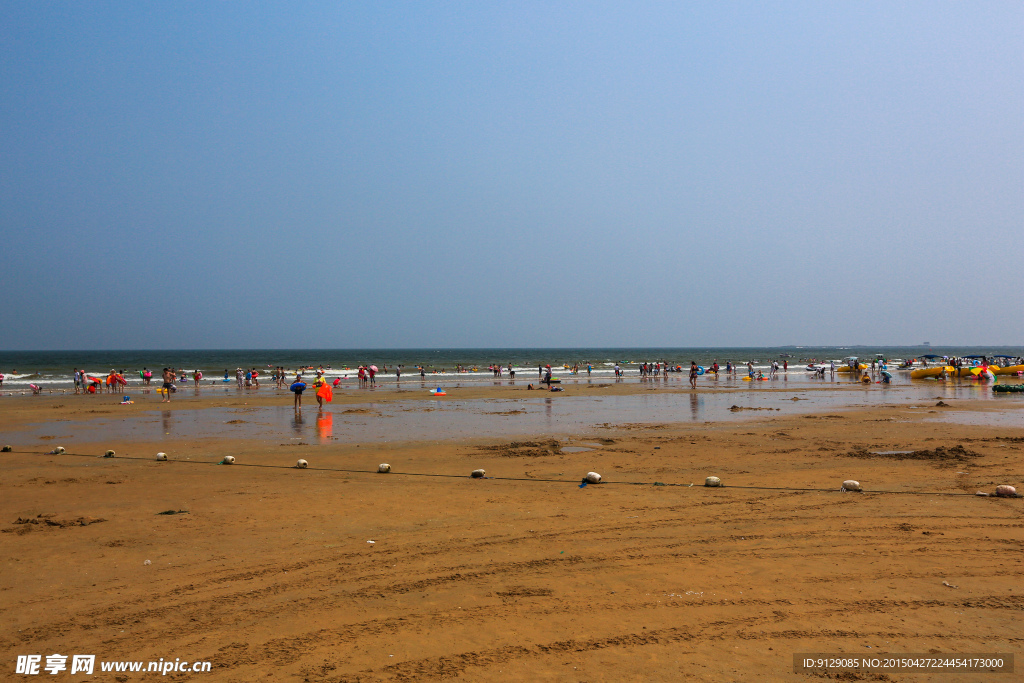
<point x="268" y="572"/>
<point x="359" y="342"/>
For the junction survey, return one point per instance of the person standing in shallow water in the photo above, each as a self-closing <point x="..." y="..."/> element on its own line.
<point x="297" y="387"/>
<point x="168" y="383"/>
<point x="693" y="374"/>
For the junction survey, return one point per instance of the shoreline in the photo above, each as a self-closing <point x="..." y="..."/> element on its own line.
<point x="375" y="416"/>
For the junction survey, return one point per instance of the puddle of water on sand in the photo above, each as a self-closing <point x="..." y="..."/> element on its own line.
<point x="1011" y="418"/>
<point x="443" y="420"/>
<point x="575" y="449"/>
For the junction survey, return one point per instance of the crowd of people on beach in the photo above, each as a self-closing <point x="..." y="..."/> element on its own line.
<point x="368" y="375"/>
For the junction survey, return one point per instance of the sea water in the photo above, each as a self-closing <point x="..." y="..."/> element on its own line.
<point x="53" y="369"/>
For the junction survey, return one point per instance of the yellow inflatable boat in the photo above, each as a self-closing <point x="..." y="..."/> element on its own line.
<point x="846" y="368"/>
<point x="936" y="371"/>
<point x="974" y="372"/>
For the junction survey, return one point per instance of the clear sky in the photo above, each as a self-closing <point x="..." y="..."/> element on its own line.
<point x="440" y="174"/>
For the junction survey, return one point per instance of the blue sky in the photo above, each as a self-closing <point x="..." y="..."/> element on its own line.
<point x="220" y="175"/>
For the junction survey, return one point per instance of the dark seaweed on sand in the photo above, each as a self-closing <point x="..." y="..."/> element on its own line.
<point x="953" y="453"/>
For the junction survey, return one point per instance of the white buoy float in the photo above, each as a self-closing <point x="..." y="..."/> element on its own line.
<point x="478" y="474"/>
<point x="851" y="485"/>
<point x="383" y="468"/>
<point x="592" y="478"/>
<point x="110" y="454"/>
<point x="228" y="460"/>
<point x="712" y="481"/>
<point x="1005" y="491"/>
<point x="57" y="451"/>
<point x="301" y="464"/>
<point x="161" y="457"/>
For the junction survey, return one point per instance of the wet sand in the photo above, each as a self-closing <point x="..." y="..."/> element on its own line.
<point x="473" y="410"/>
<point x="523" y="576"/>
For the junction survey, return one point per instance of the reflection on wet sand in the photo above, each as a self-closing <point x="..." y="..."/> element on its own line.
<point x="324" y="426"/>
<point x="472" y="418"/>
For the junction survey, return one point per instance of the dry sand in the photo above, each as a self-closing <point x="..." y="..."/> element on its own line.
<point x="269" y="575"/>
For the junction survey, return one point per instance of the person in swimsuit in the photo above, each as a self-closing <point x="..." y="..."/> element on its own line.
<point x="297" y="387"/>
<point x="168" y="385"/>
<point x="693" y="374"/>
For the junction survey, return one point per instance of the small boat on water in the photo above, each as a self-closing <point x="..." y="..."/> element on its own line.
<point x="853" y="365"/>
<point x="974" y="372"/>
<point x="846" y="368"/>
<point x="936" y="371"/>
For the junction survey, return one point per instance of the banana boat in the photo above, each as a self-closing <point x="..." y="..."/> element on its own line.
<point x="846" y="368"/>
<point x="972" y="373"/>
<point x="936" y="371"/>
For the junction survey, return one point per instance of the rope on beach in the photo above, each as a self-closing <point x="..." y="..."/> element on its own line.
<point x="530" y="479"/>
